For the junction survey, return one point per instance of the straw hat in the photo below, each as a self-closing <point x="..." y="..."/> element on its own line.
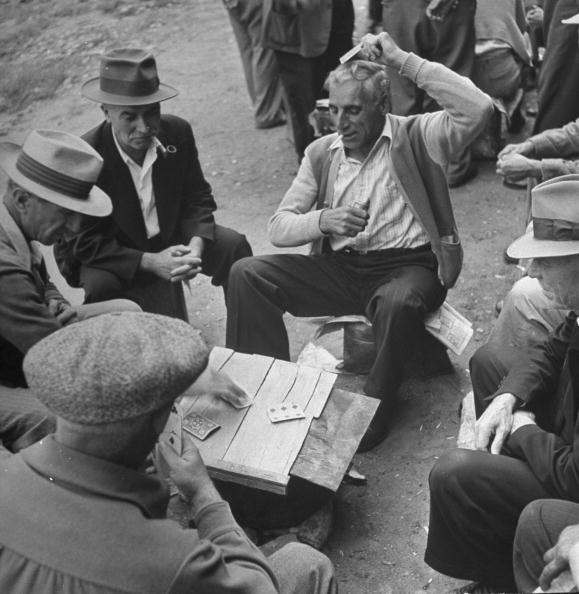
<point x="58" y="167"/>
<point x="555" y="221"/>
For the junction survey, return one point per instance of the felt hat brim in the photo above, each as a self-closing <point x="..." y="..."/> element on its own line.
<point x="91" y="90"/>
<point x="97" y="204"/>
<point x="574" y="20"/>
<point x="527" y="246"/>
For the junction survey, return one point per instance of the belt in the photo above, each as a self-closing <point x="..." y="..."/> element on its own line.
<point x="386" y="252"/>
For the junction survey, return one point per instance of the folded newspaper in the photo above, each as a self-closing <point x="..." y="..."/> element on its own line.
<point x="450" y="327"/>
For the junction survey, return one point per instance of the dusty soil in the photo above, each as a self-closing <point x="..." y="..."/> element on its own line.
<point x="380" y="529"/>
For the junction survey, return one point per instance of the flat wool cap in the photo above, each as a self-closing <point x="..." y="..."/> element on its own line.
<point x="114" y="367"/>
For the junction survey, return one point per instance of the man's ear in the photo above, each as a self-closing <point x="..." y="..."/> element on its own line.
<point x="105" y="111"/>
<point x="21" y="199"/>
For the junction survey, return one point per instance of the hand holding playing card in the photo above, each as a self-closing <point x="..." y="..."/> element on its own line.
<point x="188" y="472"/>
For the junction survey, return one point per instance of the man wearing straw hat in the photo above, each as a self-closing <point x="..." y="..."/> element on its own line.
<point x="527" y="432"/>
<point x="51" y="185"/>
<point x="80" y="514"/>
<point x="162" y="229"/>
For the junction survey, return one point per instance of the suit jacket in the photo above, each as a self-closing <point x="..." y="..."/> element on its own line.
<point x="297" y="26"/>
<point x="184" y="201"/>
<point x="25" y="291"/>
<point x="549" y="380"/>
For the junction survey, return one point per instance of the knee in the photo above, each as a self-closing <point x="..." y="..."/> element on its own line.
<point x="246" y="272"/>
<point x="400" y="302"/>
<point x="449" y="472"/>
<point x="483" y="358"/>
<point x="234" y="244"/>
<point x="99" y="285"/>
<point x="529" y="519"/>
<point x="305" y="567"/>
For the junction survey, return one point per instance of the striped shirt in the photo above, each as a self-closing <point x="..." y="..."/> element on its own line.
<point x="370" y="184"/>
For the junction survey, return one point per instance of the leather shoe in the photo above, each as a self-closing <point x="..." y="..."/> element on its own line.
<point x="378" y="429"/>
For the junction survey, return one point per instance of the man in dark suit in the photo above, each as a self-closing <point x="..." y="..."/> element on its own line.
<point x="162" y="229"/>
<point x="528" y="423"/>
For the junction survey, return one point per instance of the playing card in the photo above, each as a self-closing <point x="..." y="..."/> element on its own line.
<point x="287" y="411"/>
<point x="199" y="426"/>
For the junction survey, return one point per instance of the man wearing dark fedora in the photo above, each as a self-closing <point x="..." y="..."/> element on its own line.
<point x="79" y="514"/>
<point x="51" y="185"/>
<point x="527" y="404"/>
<point x="162" y="228"/>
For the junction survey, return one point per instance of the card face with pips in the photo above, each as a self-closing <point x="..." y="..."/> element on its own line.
<point x="199" y="426"/>
<point x="287" y="411"/>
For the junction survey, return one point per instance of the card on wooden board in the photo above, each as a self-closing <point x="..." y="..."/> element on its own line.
<point x="199" y="426"/>
<point x="287" y="411"/>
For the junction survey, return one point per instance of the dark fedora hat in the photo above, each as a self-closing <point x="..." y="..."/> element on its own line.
<point x="128" y="76"/>
<point x="58" y="167"/>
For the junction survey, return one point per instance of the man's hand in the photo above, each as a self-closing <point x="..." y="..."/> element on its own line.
<point x="564" y="555"/>
<point x="62" y="311"/>
<point x="344" y="220"/>
<point x="382" y="48"/>
<point x="518" y="167"/>
<point x="535" y="16"/>
<point x="495" y="423"/>
<point x="521" y="148"/>
<point x="188" y="472"/>
<point x="217" y="384"/>
<point x="174" y="263"/>
<point x="521" y="418"/>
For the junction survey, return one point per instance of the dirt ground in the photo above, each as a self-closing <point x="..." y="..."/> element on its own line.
<point x="380" y="530"/>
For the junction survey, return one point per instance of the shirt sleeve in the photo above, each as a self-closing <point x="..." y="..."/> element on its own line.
<point x="296" y="222"/>
<point x="557" y="142"/>
<point x="465" y="108"/>
<point x="224" y="559"/>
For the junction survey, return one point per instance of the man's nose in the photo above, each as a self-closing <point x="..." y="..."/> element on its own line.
<point x="73" y="222"/>
<point x="341" y="119"/>
<point x="142" y="125"/>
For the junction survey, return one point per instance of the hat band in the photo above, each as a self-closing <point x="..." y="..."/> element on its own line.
<point x="137" y="88"/>
<point x="52" y="180"/>
<point x="555" y="229"/>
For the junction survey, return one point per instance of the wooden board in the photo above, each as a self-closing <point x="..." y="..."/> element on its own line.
<point x="334" y="439"/>
<point x="250" y="450"/>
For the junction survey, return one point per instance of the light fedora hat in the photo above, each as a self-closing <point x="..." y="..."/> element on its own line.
<point x="574" y="20"/>
<point x="555" y="221"/>
<point x="128" y="76"/>
<point x="58" y="167"/>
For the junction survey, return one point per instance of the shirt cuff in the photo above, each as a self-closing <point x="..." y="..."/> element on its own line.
<point x="411" y="66"/>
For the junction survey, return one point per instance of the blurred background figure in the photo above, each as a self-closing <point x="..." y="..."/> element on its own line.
<point x="374" y="16"/>
<point x="440" y="31"/>
<point x="558" y="87"/>
<point x="308" y="39"/>
<point x="259" y="64"/>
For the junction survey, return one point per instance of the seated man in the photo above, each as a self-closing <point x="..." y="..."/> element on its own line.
<point x="547" y="546"/>
<point x="542" y="156"/>
<point x="50" y="186"/>
<point x="162" y="230"/>
<point x="374" y="200"/>
<point x="78" y="511"/>
<point x="529" y="423"/>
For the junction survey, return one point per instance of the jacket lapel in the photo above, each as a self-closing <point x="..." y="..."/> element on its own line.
<point x="164" y="176"/>
<point x="118" y="182"/>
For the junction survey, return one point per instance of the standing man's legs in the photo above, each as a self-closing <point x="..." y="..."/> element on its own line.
<point x="538" y="529"/>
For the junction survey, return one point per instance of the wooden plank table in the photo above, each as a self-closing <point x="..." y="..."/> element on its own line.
<point x="250" y="450"/>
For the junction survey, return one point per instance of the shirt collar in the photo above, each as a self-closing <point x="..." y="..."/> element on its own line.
<point x="155" y="144"/>
<point x="25" y="251"/>
<point x="84" y="473"/>
<point x="386" y="133"/>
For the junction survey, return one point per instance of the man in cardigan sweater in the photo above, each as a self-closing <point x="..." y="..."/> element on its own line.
<point x="374" y="201"/>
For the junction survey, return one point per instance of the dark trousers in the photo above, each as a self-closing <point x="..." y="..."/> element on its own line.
<point x="303" y="78"/>
<point x="476" y="497"/>
<point x="558" y="86"/>
<point x="539" y="527"/>
<point x="394" y="289"/>
<point x="156" y="295"/>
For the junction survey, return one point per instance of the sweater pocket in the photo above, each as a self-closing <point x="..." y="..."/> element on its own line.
<point x="449" y="262"/>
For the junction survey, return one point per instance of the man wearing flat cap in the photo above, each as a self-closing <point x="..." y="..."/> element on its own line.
<point x="51" y="185"/>
<point x="80" y="514"/>
<point x="527" y="432"/>
<point x="162" y="229"/>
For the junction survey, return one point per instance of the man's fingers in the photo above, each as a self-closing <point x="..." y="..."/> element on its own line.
<point x="482" y="436"/>
<point x="497" y="444"/>
<point x="550" y="572"/>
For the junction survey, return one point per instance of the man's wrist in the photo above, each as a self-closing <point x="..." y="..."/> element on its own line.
<point x="146" y="263"/>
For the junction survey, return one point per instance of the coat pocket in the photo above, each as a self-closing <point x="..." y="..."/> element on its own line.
<point x="449" y="262"/>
